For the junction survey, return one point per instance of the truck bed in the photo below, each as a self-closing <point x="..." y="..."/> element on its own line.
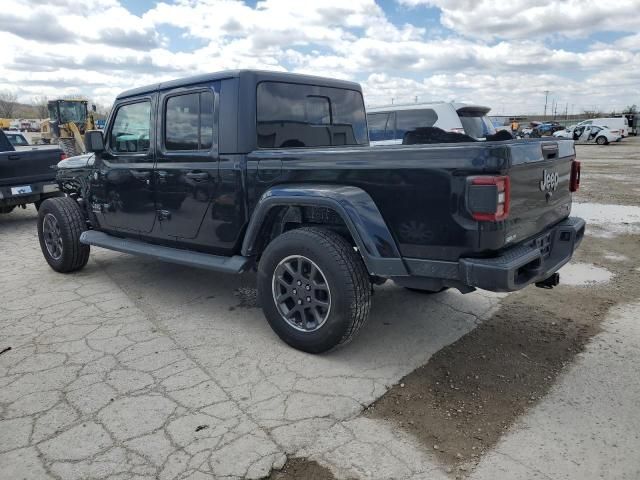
<point x="421" y="190"/>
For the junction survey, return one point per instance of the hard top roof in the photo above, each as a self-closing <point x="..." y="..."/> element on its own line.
<point x="258" y="75"/>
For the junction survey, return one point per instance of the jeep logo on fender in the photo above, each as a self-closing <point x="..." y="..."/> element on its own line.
<point x="549" y="181"/>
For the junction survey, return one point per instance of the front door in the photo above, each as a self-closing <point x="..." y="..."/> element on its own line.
<point x="186" y="173"/>
<point x="125" y="170"/>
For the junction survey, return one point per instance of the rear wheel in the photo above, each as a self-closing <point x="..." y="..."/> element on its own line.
<point x="602" y="140"/>
<point x="60" y="223"/>
<point x="314" y="289"/>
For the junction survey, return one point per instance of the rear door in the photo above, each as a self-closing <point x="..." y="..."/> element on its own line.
<point x="539" y="175"/>
<point x="186" y="172"/>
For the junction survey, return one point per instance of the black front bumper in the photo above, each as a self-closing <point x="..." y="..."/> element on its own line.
<point x="532" y="261"/>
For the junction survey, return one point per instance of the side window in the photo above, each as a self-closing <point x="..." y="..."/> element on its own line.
<point x="409" y="120"/>
<point x="131" y="127"/>
<point x="296" y="115"/>
<point x="380" y="126"/>
<point x="189" y="121"/>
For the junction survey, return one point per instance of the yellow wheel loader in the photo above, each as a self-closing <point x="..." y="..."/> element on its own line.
<point x="68" y="121"/>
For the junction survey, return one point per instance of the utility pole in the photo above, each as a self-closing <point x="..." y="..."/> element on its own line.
<point x="546" y="95"/>
<point x="416" y="99"/>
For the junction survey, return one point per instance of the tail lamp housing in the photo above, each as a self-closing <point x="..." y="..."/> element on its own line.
<point x="574" y="183"/>
<point x="489" y="198"/>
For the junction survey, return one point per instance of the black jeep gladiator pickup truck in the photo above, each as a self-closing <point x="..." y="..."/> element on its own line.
<point x="247" y="169"/>
<point x="26" y="175"/>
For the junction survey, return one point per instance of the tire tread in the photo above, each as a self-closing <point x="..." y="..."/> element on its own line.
<point x="71" y="216"/>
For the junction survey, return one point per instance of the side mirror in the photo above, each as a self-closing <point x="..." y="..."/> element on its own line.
<point x="93" y="141"/>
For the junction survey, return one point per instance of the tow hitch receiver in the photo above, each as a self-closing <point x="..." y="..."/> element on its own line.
<point x="549" y="282"/>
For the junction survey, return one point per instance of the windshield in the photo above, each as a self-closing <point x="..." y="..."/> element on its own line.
<point x="476" y="124"/>
<point x="16" y="140"/>
<point x="73" y="112"/>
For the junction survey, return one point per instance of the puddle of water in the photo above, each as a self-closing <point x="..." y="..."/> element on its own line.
<point x="609" y="219"/>
<point x="583" y="274"/>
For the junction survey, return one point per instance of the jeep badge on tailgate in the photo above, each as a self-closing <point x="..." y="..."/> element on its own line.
<point x="549" y="181"/>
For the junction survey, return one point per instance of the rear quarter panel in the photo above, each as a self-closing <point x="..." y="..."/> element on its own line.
<point x="419" y="190"/>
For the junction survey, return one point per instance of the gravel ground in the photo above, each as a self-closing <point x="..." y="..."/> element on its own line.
<point x="132" y="369"/>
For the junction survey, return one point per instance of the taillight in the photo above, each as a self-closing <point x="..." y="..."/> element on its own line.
<point x="489" y="198"/>
<point x="574" y="183"/>
<point x="63" y="156"/>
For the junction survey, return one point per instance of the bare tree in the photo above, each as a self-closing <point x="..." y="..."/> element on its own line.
<point x="631" y="109"/>
<point x="40" y="105"/>
<point x="8" y="103"/>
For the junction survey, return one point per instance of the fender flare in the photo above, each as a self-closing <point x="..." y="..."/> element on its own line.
<point x="356" y="208"/>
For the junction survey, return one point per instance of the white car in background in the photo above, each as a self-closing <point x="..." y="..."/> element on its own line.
<point x="388" y="125"/>
<point x="601" y="135"/>
<point x="614" y="123"/>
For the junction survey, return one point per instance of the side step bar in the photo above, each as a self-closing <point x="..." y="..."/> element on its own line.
<point x="235" y="264"/>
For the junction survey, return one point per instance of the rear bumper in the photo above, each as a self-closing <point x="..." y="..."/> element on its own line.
<point x="517" y="267"/>
<point x="25" y="193"/>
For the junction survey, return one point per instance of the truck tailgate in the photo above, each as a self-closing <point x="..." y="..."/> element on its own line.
<point x="28" y="166"/>
<point x="540" y="177"/>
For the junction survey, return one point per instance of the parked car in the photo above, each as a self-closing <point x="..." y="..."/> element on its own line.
<point x="26" y="176"/>
<point x="273" y="171"/>
<point x="16" y="139"/>
<point x="389" y="125"/>
<point x="540" y="129"/>
<point x="589" y="134"/>
<point x="615" y="123"/>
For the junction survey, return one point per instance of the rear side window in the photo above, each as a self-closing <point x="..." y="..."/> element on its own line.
<point x="476" y="124"/>
<point x="189" y="122"/>
<point x="131" y="127"/>
<point x="380" y="126"/>
<point x="409" y="120"/>
<point x="293" y="115"/>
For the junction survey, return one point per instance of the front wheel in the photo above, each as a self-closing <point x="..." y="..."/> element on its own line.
<point x="602" y="140"/>
<point x="60" y="223"/>
<point x="314" y="289"/>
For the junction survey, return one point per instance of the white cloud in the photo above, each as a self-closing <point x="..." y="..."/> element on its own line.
<point x="524" y="19"/>
<point x="99" y="48"/>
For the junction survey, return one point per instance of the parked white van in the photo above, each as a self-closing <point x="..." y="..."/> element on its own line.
<point x="388" y="125"/>
<point x="613" y="123"/>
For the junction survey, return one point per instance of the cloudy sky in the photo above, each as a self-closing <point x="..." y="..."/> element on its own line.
<point x="503" y="54"/>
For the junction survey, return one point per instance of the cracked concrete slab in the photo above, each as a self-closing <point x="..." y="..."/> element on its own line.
<point x="588" y="427"/>
<point x="137" y="369"/>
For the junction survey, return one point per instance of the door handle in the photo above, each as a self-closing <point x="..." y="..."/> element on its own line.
<point x="197" y="175"/>
<point x="14" y="157"/>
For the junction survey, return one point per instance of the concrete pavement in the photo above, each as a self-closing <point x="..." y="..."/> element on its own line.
<point x="138" y="369"/>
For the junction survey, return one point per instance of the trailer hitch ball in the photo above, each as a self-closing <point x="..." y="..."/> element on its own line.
<point x="549" y="282"/>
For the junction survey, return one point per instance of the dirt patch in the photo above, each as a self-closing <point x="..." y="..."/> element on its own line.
<point x="302" y="468"/>
<point x="247" y="296"/>
<point x="461" y="402"/>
